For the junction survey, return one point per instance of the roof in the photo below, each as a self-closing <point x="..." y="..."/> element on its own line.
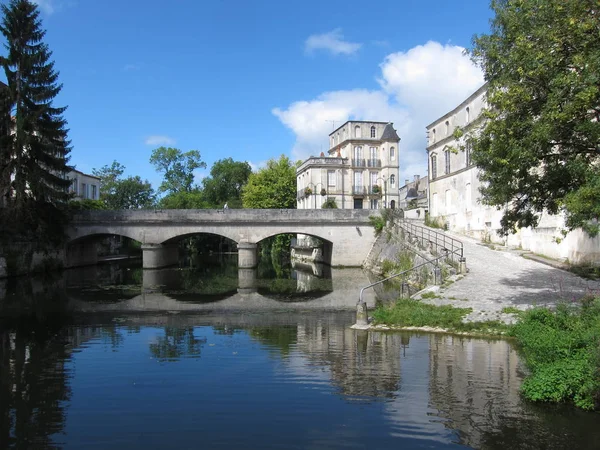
<point x="412" y="193"/>
<point x="356" y="121"/>
<point x="389" y="134"/>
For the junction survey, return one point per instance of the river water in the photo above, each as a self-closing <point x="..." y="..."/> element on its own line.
<point x="209" y="357"/>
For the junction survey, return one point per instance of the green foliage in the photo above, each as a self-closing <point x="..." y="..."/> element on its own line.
<point x="511" y="310"/>
<point x="329" y="204"/>
<point x="225" y="183"/>
<point x="123" y="193"/>
<point x="412" y="313"/>
<point x="539" y="146"/>
<point x="404" y="261"/>
<point x="184" y="200"/>
<point x="430" y="295"/>
<point x="86" y="204"/>
<point x="272" y="187"/>
<point x="34" y="146"/>
<point x="378" y="224"/>
<point x="177" y="168"/>
<point x="562" y="351"/>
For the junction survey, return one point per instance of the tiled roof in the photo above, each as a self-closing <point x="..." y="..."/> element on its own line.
<point x="389" y="134"/>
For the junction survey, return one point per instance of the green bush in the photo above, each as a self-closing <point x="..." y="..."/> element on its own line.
<point x="378" y="223"/>
<point x="562" y="351"/>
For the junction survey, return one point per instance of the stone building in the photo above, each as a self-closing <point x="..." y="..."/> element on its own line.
<point x="454" y="198"/>
<point x="84" y="186"/>
<point x="414" y="197"/>
<point x="360" y="170"/>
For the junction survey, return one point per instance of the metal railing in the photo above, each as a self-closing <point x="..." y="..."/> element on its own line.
<point x="453" y="247"/>
<point x="359" y="190"/>
<point x="359" y="163"/>
<point x="418" y="266"/>
<point x="373" y="163"/>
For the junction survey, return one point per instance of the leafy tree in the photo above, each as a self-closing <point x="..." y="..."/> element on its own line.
<point x="540" y="146"/>
<point x="118" y="193"/>
<point x="177" y="167"/>
<point x="272" y="187"/>
<point x="184" y="200"/>
<point x="132" y="193"/>
<point x="227" y="178"/>
<point x="329" y="204"/>
<point x="35" y="150"/>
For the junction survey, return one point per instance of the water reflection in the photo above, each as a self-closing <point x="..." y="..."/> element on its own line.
<point x="398" y="389"/>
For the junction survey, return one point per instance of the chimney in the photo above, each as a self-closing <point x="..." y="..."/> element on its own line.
<point x="406" y="182"/>
<point x="417" y="178"/>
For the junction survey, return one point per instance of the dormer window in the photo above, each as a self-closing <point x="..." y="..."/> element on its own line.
<point x="433" y="136"/>
<point x="373" y="132"/>
<point x="447" y="128"/>
<point x="468" y="115"/>
<point x="357" y="132"/>
<point x="392" y="154"/>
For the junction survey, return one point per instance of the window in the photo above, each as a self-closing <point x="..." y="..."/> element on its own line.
<point x="358" y="179"/>
<point x="372" y="132"/>
<point x="392" y="154"/>
<point x="332" y="142"/>
<point x="357" y="131"/>
<point x="374" y="203"/>
<point x="358" y="153"/>
<point x="467" y="114"/>
<point x="374" y="178"/>
<point x="448" y="201"/>
<point x="94" y="192"/>
<point x="447" y="128"/>
<point x="447" y="160"/>
<point x="373" y="152"/>
<point x="468" y="148"/>
<point x="331" y="178"/>
<point x="338" y="138"/>
<point x="433" y="136"/>
<point x="434" y="205"/>
<point x="83" y="192"/>
<point x="392" y="181"/>
<point x="433" y="167"/>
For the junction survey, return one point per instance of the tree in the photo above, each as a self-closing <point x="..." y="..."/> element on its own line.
<point x="539" y="149"/>
<point x="272" y="187"/>
<point x="184" y="200"/>
<point x="177" y="167"/>
<point x="35" y="151"/>
<point x="118" y="193"/>
<point x="227" y="178"/>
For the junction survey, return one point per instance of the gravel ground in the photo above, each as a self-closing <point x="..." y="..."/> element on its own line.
<point x="499" y="278"/>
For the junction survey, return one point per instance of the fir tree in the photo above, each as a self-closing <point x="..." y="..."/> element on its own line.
<point x="35" y="151"/>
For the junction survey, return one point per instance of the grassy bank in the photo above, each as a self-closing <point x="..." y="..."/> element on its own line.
<point x="561" y="348"/>
<point x="412" y="313"/>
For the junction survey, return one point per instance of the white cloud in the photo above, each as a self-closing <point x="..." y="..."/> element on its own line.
<point x="417" y="87"/>
<point x="332" y="42"/>
<point x="159" y="140"/>
<point x="46" y="6"/>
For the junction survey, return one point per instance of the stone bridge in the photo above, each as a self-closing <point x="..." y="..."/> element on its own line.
<point x="346" y="233"/>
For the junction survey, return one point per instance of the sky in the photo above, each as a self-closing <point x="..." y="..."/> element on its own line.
<point x="253" y="80"/>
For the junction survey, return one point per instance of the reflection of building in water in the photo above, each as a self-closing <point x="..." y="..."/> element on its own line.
<point x="471" y="381"/>
<point x="360" y="363"/>
<point x="309" y="276"/>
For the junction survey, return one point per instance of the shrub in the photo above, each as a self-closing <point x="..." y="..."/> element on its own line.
<point x="561" y="350"/>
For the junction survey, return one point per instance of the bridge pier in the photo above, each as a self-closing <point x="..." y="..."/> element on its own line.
<point x="155" y="256"/>
<point x="82" y="254"/>
<point x="247" y="257"/>
<point x="247" y="280"/>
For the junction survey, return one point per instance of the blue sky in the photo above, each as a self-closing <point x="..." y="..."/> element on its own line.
<point x="254" y="79"/>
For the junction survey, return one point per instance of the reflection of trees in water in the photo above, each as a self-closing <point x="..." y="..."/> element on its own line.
<point x="176" y="343"/>
<point x="211" y="276"/>
<point x="34" y="384"/>
<point x="281" y="338"/>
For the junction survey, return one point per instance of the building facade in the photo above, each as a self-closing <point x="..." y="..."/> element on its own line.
<point x="360" y="170"/>
<point x="455" y="201"/>
<point x="414" y="197"/>
<point x="84" y="186"/>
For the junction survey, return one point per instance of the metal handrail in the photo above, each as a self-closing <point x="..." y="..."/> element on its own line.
<point x="454" y="246"/>
<point x="360" y="300"/>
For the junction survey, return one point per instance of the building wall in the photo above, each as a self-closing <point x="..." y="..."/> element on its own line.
<point x="377" y="168"/>
<point x="454" y="197"/>
<point x="84" y="186"/>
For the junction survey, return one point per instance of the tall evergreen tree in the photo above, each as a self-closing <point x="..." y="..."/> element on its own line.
<point x="35" y="152"/>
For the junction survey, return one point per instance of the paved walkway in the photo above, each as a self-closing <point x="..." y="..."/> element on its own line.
<point x="500" y="278"/>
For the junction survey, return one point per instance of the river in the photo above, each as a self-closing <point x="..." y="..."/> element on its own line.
<point x="207" y="357"/>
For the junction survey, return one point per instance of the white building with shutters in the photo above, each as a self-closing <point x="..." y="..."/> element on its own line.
<point x="360" y="170"/>
<point x="84" y="186"/>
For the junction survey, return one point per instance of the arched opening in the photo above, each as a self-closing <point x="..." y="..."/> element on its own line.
<point x="372" y="131"/>
<point x="357" y="131"/>
<point x="294" y="267"/>
<point x="393" y="204"/>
